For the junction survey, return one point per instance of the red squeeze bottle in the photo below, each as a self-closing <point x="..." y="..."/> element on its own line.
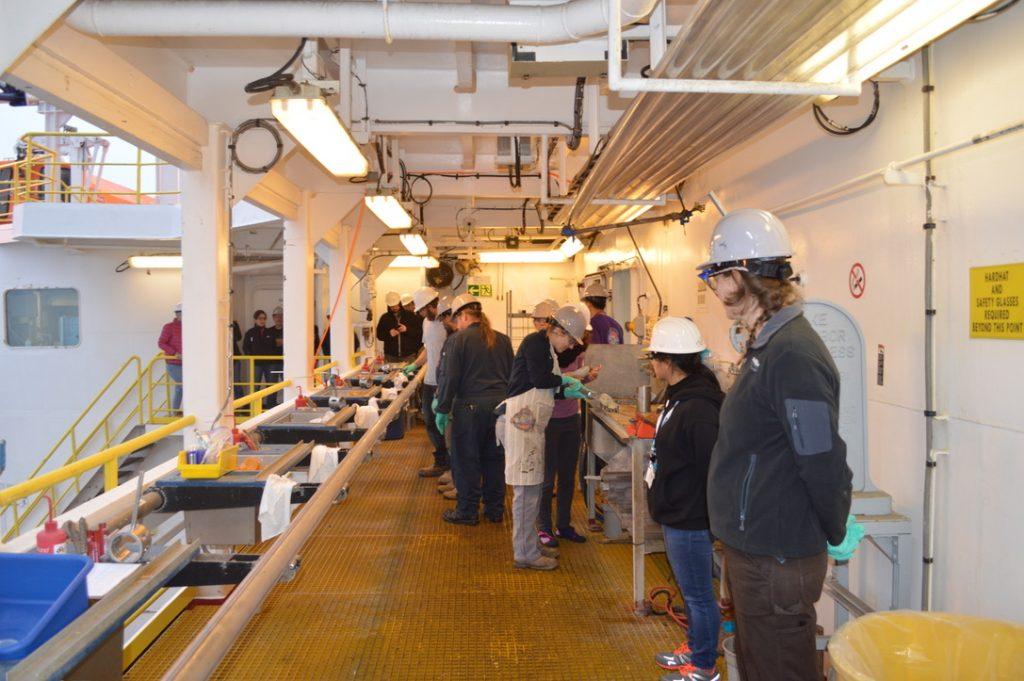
<point x="51" y="539"/>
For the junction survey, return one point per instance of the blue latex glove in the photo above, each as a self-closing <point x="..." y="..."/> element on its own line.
<point x="846" y="548"/>
<point x="410" y="369"/>
<point x="573" y="388"/>
<point x="441" y="421"/>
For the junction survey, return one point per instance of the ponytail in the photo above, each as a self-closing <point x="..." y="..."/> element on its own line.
<point x="486" y="330"/>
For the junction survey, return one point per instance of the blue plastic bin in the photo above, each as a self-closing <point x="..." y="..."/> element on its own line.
<point x="396" y="429"/>
<point x="40" y="594"/>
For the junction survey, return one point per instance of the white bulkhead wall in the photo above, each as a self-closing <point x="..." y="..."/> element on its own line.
<point x="976" y="72"/>
<point x="120" y="315"/>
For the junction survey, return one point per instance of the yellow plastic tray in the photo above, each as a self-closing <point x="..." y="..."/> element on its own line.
<point x="227" y="460"/>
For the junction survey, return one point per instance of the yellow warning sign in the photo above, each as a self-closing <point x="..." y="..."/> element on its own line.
<point x="997" y="301"/>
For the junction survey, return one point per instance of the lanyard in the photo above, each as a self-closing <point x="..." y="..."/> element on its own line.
<point x="664" y="416"/>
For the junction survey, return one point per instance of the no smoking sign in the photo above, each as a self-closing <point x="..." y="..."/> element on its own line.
<point x="858" y="280"/>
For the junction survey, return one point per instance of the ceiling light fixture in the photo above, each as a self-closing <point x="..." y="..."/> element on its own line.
<point x="308" y="118"/>
<point x="889" y="32"/>
<point x="571" y="246"/>
<point x="414" y="243"/>
<point x="413" y="261"/>
<point x="155" y="262"/>
<point x="389" y="210"/>
<point x="521" y="257"/>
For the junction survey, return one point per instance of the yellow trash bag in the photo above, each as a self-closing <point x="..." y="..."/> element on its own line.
<point x="922" y="646"/>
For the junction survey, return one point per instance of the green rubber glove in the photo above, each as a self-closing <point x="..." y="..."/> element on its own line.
<point x="433" y="405"/>
<point x="573" y="388"/>
<point x="846" y="548"/>
<point x="410" y="369"/>
<point x="441" y="421"/>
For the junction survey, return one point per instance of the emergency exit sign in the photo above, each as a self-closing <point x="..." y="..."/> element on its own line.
<point x="480" y="287"/>
<point x="997" y="301"/>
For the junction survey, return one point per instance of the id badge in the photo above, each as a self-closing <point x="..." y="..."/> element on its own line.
<point x="649" y="475"/>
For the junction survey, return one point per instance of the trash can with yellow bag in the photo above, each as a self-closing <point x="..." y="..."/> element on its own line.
<point x="924" y="646"/>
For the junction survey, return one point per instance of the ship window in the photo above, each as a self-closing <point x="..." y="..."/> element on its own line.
<point x="41" y="317"/>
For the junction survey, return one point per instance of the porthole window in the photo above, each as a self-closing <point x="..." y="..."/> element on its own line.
<point x="41" y="317"/>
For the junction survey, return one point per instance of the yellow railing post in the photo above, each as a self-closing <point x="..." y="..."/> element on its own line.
<point x="110" y="469"/>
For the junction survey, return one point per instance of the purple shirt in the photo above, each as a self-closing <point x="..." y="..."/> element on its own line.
<point x="568" y="407"/>
<point x="605" y="330"/>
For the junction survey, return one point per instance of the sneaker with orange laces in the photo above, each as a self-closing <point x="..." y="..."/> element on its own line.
<point x="677" y="659"/>
<point x="691" y="673"/>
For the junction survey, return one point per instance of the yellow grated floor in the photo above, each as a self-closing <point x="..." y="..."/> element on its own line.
<point x="387" y="590"/>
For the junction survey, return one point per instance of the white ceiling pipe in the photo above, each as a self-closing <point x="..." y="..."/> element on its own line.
<point x="534" y="25"/>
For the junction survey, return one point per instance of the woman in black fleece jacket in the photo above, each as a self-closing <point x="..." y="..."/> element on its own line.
<point x="677" y="477"/>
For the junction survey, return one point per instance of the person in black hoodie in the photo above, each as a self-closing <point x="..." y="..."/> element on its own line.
<point x="677" y="477"/>
<point x="261" y="341"/>
<point x="779" y="489"/>
<point x="395" y="330"/>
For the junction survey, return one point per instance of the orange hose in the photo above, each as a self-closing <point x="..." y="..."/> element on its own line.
<point x="341" y="285"/>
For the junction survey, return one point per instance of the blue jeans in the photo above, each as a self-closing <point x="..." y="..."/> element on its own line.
<point x="174" y="374"/>
<point x="689" y="554"/>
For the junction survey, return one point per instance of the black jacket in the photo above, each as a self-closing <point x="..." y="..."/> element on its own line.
<point x="779" y="484"/>
<point x="471" y="370"/>
<point x="682" y="452"/>
<point x="404" y="344"/>
<point x="533" y="365"/>
<point x="260" y="340"/>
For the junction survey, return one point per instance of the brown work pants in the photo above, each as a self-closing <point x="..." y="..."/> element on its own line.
<point x="775" y="618"/>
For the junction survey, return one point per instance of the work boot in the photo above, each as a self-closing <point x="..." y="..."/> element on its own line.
<point x="451" y="494"/>
<point x="540" y="563"/>
<point x="432" y="471"/>
<point x="441" y="489"/>
<point x="446" y="478"/>
<point x="450" y="516"/>
<point x="548" y="551"/>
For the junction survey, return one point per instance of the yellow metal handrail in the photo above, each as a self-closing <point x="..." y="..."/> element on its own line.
<point x="260" y="394"/>
<point x="37" y="177"/>
<point x="105" y="458"/>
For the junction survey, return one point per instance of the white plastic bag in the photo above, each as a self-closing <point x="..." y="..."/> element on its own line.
<point x="275" y="506"/>
<point x="323" y="461"/>
<point x="366" y="416"/>
<point x="388" y="394"/>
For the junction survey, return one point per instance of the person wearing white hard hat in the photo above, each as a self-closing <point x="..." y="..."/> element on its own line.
<point x="425" y="304"/>
<point x="605" y="330"/>
<point x="677" y="477"/>
<point x="394" y="330"/>
<point x="562" y="439"/>
<point x="170" y="344"/>
<point x="779" y="488"/>
<point x="535" y="382"/>
<point x="474" y="381"/>
<point x="416" y="330"/>
<point x="542" y="311"/>
<point x="445" y="485"/>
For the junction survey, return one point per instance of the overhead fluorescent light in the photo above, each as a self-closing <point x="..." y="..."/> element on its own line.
<point x="571" y="247"/>
<point x="887" y="33"/>
<point x="519" y="257"/>
<point x="414" y="243"/>
<point x="389" y="210"/>
<point x="155" y="262"/>
<point x="413" y="261"/>
<point x="314" y="125"/>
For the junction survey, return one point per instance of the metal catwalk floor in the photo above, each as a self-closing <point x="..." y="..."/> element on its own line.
<point x="387" y="590"/>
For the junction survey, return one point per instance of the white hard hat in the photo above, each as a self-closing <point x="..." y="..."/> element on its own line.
<point x="177" y="307"/>
<point x="444" y="305"/>
<point x="544" y="309"/>
<point x="406" y="298"/>
<point x="749" y="235"/>
<point x="392" y="299"/>
<point x="423" y="297"/>
<point x="278" y="310"/>
<point x="676" y="336"/>
<point x="595" y="289"/>
<point x="572" y="320"/>
<point x="462" y="301"/>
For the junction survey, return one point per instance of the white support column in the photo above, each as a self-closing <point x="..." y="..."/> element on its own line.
<point x="298" y="299"/>
<point x="205" y="290"/>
